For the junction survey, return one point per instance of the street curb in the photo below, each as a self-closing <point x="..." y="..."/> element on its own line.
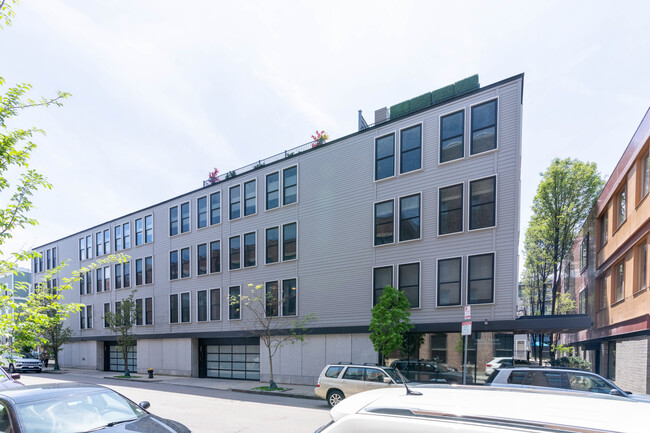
<point x="275" y="393"/>
<point x="133" y="379"/>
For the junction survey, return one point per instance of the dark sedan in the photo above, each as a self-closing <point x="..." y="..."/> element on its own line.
<point x="77" y="407"/>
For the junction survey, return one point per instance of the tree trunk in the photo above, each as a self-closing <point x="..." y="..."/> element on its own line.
<point x="125" y="357"/>
<point x="270" y="362"/>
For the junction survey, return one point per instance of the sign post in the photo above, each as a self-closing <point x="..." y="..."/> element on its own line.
<point x="467" y="330"/>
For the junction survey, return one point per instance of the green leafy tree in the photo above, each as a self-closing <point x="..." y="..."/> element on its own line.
<point x="55" y="337"/>
<point x="390" y="321"/>
<point x="274" y="331"/>
<point x="121" y="323"/>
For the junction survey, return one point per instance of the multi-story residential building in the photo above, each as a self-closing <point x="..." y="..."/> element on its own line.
<point x="607" y="271"/>
<point x="426" y="199"/>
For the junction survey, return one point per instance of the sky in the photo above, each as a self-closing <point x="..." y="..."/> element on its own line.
<point x="164" y="91"/>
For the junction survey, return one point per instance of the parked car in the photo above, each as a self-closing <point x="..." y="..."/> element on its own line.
<point x="473" y="409"/>
<point x="9" y="380"/>
<point x="430" y="371"/>
<point x="77" y="407"/>
<point x="338" y="381"/>
<point x="20" y="362"/>
<point x="503" y="362"/>
<point x="564" y="379"/>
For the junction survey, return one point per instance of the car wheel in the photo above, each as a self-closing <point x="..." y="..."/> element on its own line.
<point x="12" y="369"/>
<point x="334" y="397"/>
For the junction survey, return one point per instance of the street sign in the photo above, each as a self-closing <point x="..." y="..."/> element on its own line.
<point x="468" y="313"/>
<point x="467" y="328"/>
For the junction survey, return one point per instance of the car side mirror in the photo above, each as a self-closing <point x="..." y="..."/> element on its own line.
<point x="15" y="376"/>
<point x="616" y="392"/>
<point x="144" y="404"/>
<point x="388" y="380"/>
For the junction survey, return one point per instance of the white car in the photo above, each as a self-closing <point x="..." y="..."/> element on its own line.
<point x="469" y="409"/>
<point x="499" y="362"/>
<point x="19" y="362"/>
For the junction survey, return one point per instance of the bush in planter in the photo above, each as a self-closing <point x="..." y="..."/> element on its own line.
<point x="571" y="361"/>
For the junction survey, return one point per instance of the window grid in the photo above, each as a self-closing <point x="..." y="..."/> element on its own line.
<point x="409" y="215"/>
<point x="385" y="157"/>
<point x="410" y="142"/>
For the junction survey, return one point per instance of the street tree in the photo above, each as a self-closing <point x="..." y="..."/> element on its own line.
<point x="390" y="322"/>
<point x="121" y="323"/>
<point x="55" y="337"/>
<point x="262" y="308"/>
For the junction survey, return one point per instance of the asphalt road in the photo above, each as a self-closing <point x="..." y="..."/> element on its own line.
<point x="206" y="410"/>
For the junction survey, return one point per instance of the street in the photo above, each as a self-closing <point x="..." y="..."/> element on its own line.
<point x="206" y="410"/>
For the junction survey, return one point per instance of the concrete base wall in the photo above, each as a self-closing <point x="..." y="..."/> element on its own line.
<point x="633" y="364"/>
<point x="173" y="356"/>
<point x="82" y="354"/>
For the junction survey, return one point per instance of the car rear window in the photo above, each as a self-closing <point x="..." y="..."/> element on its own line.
<point x="334" y="371"/>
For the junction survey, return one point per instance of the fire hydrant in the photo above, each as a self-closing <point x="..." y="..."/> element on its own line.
<point x="150" y="371"/>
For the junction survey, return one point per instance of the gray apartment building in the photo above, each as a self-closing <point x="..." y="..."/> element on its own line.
<point x="426" y="199"/>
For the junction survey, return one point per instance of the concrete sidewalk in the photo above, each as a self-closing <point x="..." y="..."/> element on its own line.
<point x="295" y="391"/>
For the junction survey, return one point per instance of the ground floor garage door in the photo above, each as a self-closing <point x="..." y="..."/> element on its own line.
<point x="113" y="358"/>
<point x="233" y="358"/>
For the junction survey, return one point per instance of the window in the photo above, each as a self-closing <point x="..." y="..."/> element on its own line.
<point x="138" y="272"/>
<point x="272" y="190"/>
<point x="49" y="259"/>
<point x="138" y="312"/>
<point x="484" y="127"/>
<point x="271" y="299"/>
<point x="148" y="228"/>
<point x="148" y="270"/>
<point x="584" y="252"/>
<point x="139" y="238"/>
<point x="409" y="217"/>
<point x="173" y="265"/>
<point x="215" y="304"/>
<point x="82" y="317"/>
<point x="250" y="198"/>
<point x="603" y="292"/>
<point x="201" y="212"/>
<point x="185" y="263"/>
<point x="173" y="221"/>
<point x="54" y="263"/>
<point x="482" y="203"/>
<point x="89" y="282"/>
<point x="202" y="306"/>
<point x="452" y="136"/>
<point x="235" y="248"/>
<point x="449" y="281"/>
<point x="645" y="175"/>
<point x="385" y="157"/>
<point x="234" y="311"/>
<point x="643" y="266"/>
<point x="450" y="209"/>
<point x="118" y="238"/>
<point x="185" y="307"/>
<point x="118" y="276"/>
<point x="89" y="247"/>
<point x="567" y="277"/>
<point x="107" y="309"/>
<point x="235" y="202"/>
<point x="289" y="242"/>
<point x="289" y="297"/>
<point x="480" y="284"/>
<point x="290" y="185"/>
<point x="439" y="347"/>
<point x="215" y="257"/>
<point x="582" y="302"/>
<point x="621" y="207"/>
<point x="126" y="268"/>
<point x="272" y="245"/>
<point x="604" y="227"/>
<point x="82" y="253"/>
<point x="381" y="277"/>
<point x="215" y="208"/>
<point x="620" y="282"/>
<point x="148" y="311"/>
<point x="126" y="231"/>
<point x="201" y="259"/>
<point x="409" y="282"/>
<point x="99" y="273"/>
<point x="249" y="249"/>
<point x="40" y="262"/>
<point x="384" y="222"/>
<point x="82" y="284"/>
<point x="107" y="241"/>
<point x="410" y="141"/>
<point x="173" y="308"/>
<point x="185" y="218"/>
<point x="99" y="245"/>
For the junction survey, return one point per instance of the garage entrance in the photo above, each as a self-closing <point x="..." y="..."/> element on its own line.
<point x="230" y="358"/>
<point x="113" y="358"/>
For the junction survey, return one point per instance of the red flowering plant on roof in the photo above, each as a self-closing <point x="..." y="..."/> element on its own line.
<point x="213" y="176"/>
<point x="319" y="138"/>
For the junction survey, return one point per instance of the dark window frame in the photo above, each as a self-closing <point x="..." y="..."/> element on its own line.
<point x="405" y="154"/>
<point x="232" y="263"/>
<point x="286" y="243"/>
<point x="202" y="259"/>
<point x="403" y="221"/>
<point x="286" y="187"/>
<point x="473" y="224"/>
<point x="250" y="198"/>
<point x="440" y="282"/>
<point x="289" y="300"/>
<point x="185" y="217"/>
<point x="247" y="263"/>
<point x="215" y="260"/>
<point x="268" y="245"/>
<point x="234" y="308"/>
<point x="174" y="308"/>
<point x="446" y="138"/>
<point x="448" y="211"/>
<point x="268" y="197"/>
<point x="391" y="157"/>
<point x="202" y="212"/>
<point x="234" y="207"/>
<point x="388" y="240"/>
<point x="174" y="221"/>
<point x="378" y="291"/>
<point x="494" y="125"/>
<point x="470" y="280"/>
<point x="401" y="287"/>
<point x="215" y="208"/>
<point x="202" y="312"/>
<point x="272" y="300"/>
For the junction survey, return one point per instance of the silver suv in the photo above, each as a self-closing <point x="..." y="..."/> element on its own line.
<point x="338" y="381"/>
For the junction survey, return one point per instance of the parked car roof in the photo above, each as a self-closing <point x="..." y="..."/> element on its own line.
<point x="47" y="391"/>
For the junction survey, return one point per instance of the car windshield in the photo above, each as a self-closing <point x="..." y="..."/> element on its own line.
<point x="77" y="413"/>
<point x="397" y="377"/>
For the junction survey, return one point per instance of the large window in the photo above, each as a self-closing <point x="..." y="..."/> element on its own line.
<point x="82" y="253"/>
<point x="250" y="198"/>
<point x="234" y="253"/>
<point x="215" y="208"/>
<point x="484" y="127"/>
<point x="619" y="289"/>
<point x="126" y="232"/>
<point x="126" y="270"/>
<point x="201" y="212"/>
<point x="185" y="218"/>
<point x="107" y="241"/>
<point x="202" y="306"/>
<point x="185" y="263"/>
<point x="215" y="256"/>
<point x="289" y="298"/>
<point x="139" y="232"/>
<point x="449" y="281"/>
<point x="202" y="259"/>
<point x="215" y="304"/>
<point x="271" y="297"/>
<point x="148" y="228"/>
<point x="381" y="277"/>
<point x="385" y="157"/>
<point x="272" y="190"/>
<point x="138" y="312"/>
<point x="173" y="308"/>
<point x="99" y="273"/>
<point x="452" y="136"/>
<point x="148" y="311"/>
<point x="643" y="266"/>
<point x="480" y="282"/>
<point x="99" y="245"/>
<point x="118" y="238"/>
<point x="107" y="309"/>
<point x="384" y="222"/>
<point x="409" y="217"/>
<point x="439" y="347"/>
<point x="290" y="185"/>
<point x="450" y="218"/>
<point x="272" y="245"/>
<point x="584" y="252"/>
<point x="482" y="203"/>
<point x="234" y="304"/>
<point x="89" y="247"/>
<point x="603" y="292"/>
<point x="173" y="221"/>
<point x="409" y="282"/>
<point x="604" y="228"/>
<point x="249" y="250"/>
<point x="185" y="307"/>
<point x="410" y="141"/>
<point x="235" y="202"/>
<point x="118" y="276"/>
<point x="289" y="236"/>
<point x="621" y="207"/>
<point x="138" y="272"/>
<point x="148" y="270"/>
<point x="582" y="302"/>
